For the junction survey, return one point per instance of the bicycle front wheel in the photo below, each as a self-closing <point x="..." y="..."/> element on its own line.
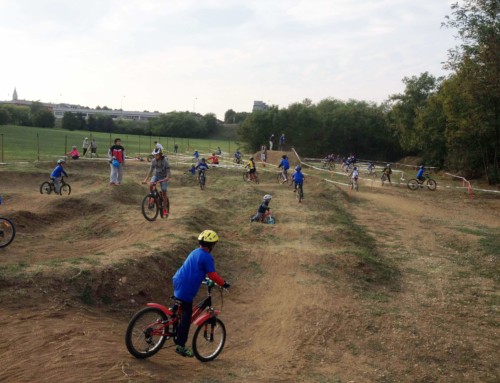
<point x="202" y="182"/>
<point x="7" y="232"/>
<point x="65" y="189"/>
<point x="45" y="188"/>
<point x="246" y="176"/>
<point x="431" y="184"/>
<point x="209" y="339"/>
<point x="413" y="184"/>
<point x="150" y="208"/>
<point x="146" y="332"/>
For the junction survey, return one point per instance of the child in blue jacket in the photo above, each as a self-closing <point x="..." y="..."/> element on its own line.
<point x="57" y="174"/>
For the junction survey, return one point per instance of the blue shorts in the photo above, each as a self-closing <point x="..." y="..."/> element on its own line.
<point x="164" y="184"/>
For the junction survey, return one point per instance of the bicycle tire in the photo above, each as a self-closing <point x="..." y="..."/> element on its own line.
<point x="138" y="338"/>
<point x="6" y="225"/>
<point x="202" y="181"/>
<point x="256" y="179"/>
<point x="45" y="188"/>
<point x="150" y="209"/>
<point x="413" y="184"/>
<point x="202" y="339"/>
<point x="301" y="194"/>
<point x="280" y="178"/>
<point x="245" y="176"/>
<point x="65" y="189"/>
<point x="431" y="184"/>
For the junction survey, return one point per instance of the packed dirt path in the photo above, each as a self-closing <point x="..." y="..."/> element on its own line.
<point x="379" y="286"/>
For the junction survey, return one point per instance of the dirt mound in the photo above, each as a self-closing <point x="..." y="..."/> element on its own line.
<point x="26" y="219"/>
<point x="274" y="157"/>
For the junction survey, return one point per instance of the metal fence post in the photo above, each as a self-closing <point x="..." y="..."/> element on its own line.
<point x="2" y="148"/>
<point x="38" y="147"/>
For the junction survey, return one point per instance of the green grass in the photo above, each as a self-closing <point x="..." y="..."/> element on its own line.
<point x="22" y="143"/>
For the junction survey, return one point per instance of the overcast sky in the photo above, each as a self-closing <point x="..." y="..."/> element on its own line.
<point x="214" y="55"/>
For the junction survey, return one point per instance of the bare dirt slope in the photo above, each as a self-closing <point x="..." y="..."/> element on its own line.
<point x="384" y="285"/>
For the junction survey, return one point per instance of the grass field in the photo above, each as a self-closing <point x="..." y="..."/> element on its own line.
<point x="21" y="143"/>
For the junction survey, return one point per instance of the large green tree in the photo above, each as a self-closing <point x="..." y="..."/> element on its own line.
<point x="474" y="108"/>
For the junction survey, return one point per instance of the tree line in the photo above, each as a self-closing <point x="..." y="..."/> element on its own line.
<point x="451" y="122"/>
<point x="174" y="124"/>
<point x="34" y="115"/>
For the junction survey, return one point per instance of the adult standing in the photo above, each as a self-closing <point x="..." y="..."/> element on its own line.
<point x="282" y="142"/>
<point x="85" y="146"/>
<point x="93" y="147"/>
<point x="116" y="155"/>
<point x="271" y="141"/>
<point x="263" y="155"/>
<point x="176" y="148"/>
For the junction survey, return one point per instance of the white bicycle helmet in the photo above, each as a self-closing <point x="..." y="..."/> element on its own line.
<point x="61" y="161"/>
<point x="267" y="197"/>
<point x="156" y="151"/>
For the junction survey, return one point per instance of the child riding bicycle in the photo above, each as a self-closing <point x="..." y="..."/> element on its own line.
<point x="420" y="173"/>
<point x="298" y="178"/>
<point x="285" y="165"/>
<point x="252" y="170"/>
<point x="57" y="174"/>
<point x="161" y="169"/>
<point x="386" y="174"/>
<point x="202" y="166"/>
<point x="187" y="281"/>
<point x="263" y="208"/>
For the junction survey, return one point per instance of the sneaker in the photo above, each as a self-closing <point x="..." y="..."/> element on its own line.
<point x="151" y="201"/>
<point x="165" y="212"/>
<point x="184" y="351"/>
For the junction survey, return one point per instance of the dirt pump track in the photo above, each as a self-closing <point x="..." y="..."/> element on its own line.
<point x="383" y="285"/>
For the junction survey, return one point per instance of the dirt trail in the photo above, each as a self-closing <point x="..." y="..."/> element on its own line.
<point x="298" y="310"/>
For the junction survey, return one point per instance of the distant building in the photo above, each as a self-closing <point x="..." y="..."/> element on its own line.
<point x="259" y="106"/>
<point x="60" y="109"/>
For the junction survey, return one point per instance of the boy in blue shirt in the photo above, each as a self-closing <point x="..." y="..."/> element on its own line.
<point x="285" y="165"/>
<point x="420" y="173"/>
<point x="298" y="178"/>
<point x="187" y="280"/>
<point x="57" y="173"/>
<point x="196" y="154"/>
<point x="202" y="166"/>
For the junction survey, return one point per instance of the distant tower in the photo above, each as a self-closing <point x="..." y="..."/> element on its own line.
<point x="14" y="95"/>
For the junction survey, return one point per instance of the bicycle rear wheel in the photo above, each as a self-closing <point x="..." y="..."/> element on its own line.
<point x="146" y="332"/>
<point x="7" y="232"/>
<point x="150" y="208"/>
<point x="209" y="339"/>
<point x="431" y="184"/>
<point x="65" y="189"/>
<point x="256" y="179"/>
<point x="45" y="188"/>
<point x="413" y="184"/>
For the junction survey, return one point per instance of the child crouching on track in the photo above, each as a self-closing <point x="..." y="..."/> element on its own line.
<point x="298" y="178"/>
<point x="263" y="208"/>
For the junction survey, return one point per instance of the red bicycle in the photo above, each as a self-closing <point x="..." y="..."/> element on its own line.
<point x="150" y="327"/>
